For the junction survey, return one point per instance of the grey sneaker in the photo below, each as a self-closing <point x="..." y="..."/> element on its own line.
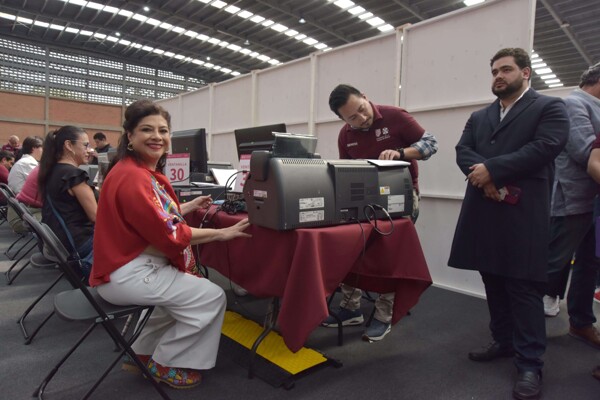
<point x="551" y="306"/>
<point x="376" y="331"/>
<point x="348" y="317"/>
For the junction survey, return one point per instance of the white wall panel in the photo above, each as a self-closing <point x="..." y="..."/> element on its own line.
<point x="283" y="93"/>
<point x="232" y="104"/>
<point x="195" y="109"/>
<point x="369" y="65"/>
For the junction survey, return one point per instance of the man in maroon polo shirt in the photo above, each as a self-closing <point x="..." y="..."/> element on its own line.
<point x="376" y="132"/>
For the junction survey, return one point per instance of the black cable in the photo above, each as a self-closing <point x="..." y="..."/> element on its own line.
<point x="373" y="221"/>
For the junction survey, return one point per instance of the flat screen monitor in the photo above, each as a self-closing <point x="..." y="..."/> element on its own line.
<point x="257" y="138"/>
<point x="294" y="145"/>
<point x="192" y="141"/>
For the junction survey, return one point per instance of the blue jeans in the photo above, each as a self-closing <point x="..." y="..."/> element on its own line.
<point x="86" y="255"/>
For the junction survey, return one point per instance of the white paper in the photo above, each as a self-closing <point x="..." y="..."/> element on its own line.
<point x="223" y="176"/>
<point x="389" y="163"/>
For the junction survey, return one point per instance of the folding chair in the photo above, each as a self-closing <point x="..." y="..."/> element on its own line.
<point x="85" y="305"/>
<point x="20" y="210"/>
<point x="8" y="194"/>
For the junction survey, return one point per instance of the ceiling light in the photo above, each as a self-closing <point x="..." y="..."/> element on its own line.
<point x="366" y="15"/>
<point x="549" y="81"/>
<point x="555" y="85"/>
<point x="152" y="21"/>
<point x="226" y="70"/>
<point x="208" y="65"/>
<point x="110" y="9"/>
<point x="72" y="30"/>
<point x="178" y="29"/>
<point x="291" y="32"/>
<point x="125" y="13"/>
<point x="146" y="8"/>
<point x="235" y="73"/>
<point x="469" y="3"/>
<point x="95" y="6"/>
<point x="42" y="24"/>
<point x="385" y="28"/>
<point x="202" y="37"/>
<point x="246" y="42"/>
<point x="139" y="17"/>
<point x="213" y="40"/>
<point x="244" y="14"/>
<point x="191" y="34"/>
<point x="343" y="4"/>
<point x="257" y="19"/>
<point x="245" y="51"/>
<point x="320" y="46"/>
<point x="549" y="76"/>
<point x="543" y="71"/>
<point x="218" y="4"/>
<point x="232" y="9"/>
<point x="207" y="58"/>
<point x="234" y="47"/>
<point x="24" y="20"/>
<point x="356" y="10"/>
<point x="279" y="28"/>
<point x="166" y="25"/>
<point x="262" y="57"/>
<point x="310" y="41"/>
<point x="301" y="36"/>
<point x="301" y="21"/>
<point x="117" y="34"/>
<point x="539" y="65"/>
<point x="57" y="27"/>
<point x="376" y="21"/>
<point x="268" y="23"/>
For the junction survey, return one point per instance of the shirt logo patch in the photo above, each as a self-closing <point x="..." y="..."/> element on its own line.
<point x="382" y="134"/>
<point x="352" y="144"/>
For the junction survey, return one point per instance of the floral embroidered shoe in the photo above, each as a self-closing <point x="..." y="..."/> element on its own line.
<point x="177" y="378"/>
<point x="130" y="366"/>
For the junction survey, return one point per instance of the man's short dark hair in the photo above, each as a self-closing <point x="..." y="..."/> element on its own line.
<point x="591" y="76"/>
<point x="6" y="155"/>
<point x="99" y="136"/>
<point x="339" y="96"/>
<point x="30" y="143"/>
<point x="520" y="56"/>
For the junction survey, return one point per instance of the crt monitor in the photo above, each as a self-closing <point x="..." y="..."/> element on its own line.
<point x="192" y="141"/>
<point x="257" y="138"/>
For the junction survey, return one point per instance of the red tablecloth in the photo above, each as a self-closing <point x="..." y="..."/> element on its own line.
<point x="303" y="266"/>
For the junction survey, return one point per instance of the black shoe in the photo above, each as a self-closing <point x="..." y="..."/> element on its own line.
<point x="491" y="352"/>
<point x="528" y="386"/>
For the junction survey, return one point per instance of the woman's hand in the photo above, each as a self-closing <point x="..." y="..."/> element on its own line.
<point x="235" y="231"/>
<point x="196" y="204"/>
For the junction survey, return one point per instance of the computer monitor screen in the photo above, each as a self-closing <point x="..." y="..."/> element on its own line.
<point x="257" y="138"/>
<point x="294" y="145"/>
<point x="192" y="141"/>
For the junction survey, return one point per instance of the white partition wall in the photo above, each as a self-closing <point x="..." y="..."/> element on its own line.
<point x="445" y="76"/>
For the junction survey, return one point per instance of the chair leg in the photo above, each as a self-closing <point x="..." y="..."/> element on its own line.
<point x="126" y="348"/>
<point x="35" y="332"/>
<point x="21" y="320"/>
<point x="31" y="238"/>
<point x="7" y="251"/>
<point x="39" y="392"/>
<point x="9" y="279"/>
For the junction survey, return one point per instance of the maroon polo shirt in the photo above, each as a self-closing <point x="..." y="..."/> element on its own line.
<point x="392" y="128"/>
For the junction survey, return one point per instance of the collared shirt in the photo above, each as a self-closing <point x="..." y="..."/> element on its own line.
<point x="504" y="111"/>
<point x="19" y="171"/>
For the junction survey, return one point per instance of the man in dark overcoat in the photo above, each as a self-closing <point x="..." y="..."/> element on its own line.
<point x="507" y="153"/>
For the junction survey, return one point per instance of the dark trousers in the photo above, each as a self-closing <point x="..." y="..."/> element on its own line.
<point x="517" y="318"/>
<point x="574" y="234"/>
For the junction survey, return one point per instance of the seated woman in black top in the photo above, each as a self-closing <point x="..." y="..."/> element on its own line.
<point x="69" y="201"/>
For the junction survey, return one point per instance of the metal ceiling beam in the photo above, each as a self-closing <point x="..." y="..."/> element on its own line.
<point x="566" y="27"/>
<point x="313" y="21"/>
<point x="410" y="9"/>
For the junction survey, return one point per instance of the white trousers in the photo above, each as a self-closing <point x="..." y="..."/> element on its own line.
<point x="185" y="328"/>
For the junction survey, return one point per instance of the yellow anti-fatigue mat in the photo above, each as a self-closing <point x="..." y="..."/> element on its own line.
<point x="272" y="348"/>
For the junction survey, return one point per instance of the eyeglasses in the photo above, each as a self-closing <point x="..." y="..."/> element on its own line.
<point x="85" y="144"/>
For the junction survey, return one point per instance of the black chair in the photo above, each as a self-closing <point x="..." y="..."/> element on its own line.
<point x="9" y="194"/>
<point x="85" y="305"/>
<point x="20" y="210"/>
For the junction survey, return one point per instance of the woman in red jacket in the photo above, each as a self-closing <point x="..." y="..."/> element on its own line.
<point x="142" y="252"/>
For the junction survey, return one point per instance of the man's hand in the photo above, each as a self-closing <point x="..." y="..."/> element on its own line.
<point x="389" y="155"/>
<point x="490" y="191"/>
<point x="480" y="176"/>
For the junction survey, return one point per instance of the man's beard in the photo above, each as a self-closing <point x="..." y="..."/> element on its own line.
<point x="509" y="89"/>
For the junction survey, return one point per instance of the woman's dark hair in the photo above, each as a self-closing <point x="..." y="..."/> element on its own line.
<point x="30" y="143"/>
<point x="53" y="151"/>
<point x="133" y="115"/>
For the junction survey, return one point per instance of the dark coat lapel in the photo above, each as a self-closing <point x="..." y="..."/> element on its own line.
<point x="527" y="99"/>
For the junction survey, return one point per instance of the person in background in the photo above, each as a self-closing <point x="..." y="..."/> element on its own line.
<point x="102" y="146"/>
<point x="7" y="159"/>
<point x="376" y="132"/>
<point x="143" y="254"/>
<point x="30" y="197"/>
<point x="69" y="202"/>
<point x="507" y="153"/>
<point x="13" y="145"/>
<point x="32" y="154"/>
<point x="572" y="223"/>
